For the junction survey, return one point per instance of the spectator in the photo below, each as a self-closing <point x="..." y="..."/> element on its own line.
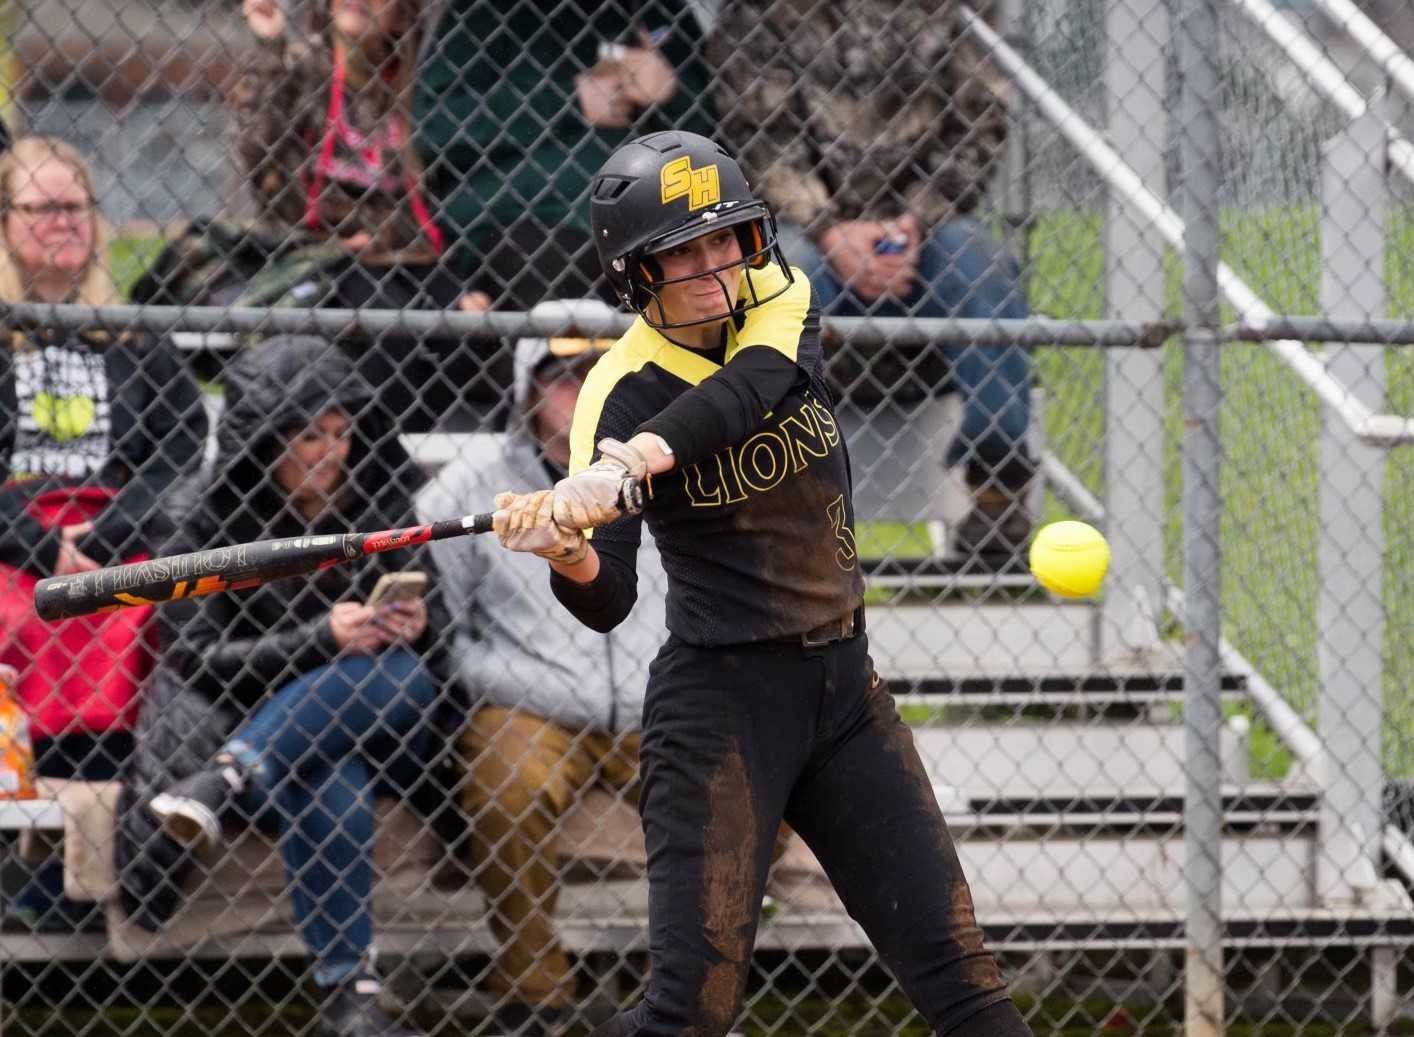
<point x="323" y="134"/>
<point x="322" y="129"/>
<point x="548" y="728"/>
<point x="513" y="124"/>
<point x="97" y="432"/>
<point x="308" y="700"/>
<point x="872" y="129"/>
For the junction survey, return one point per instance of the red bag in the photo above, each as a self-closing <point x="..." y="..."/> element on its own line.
<point x="77" y="675"/>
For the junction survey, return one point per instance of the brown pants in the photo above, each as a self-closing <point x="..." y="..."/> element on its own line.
<point x="525" y="772"/>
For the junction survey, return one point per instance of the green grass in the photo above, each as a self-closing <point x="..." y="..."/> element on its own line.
<point x="882" y="539"/>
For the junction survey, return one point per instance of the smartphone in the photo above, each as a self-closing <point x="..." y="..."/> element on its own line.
<point x="891" y="245"/>
<point x="403" y="586"/>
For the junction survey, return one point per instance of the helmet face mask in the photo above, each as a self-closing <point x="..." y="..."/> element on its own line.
<point x="663" y="190"/>
<point x="645" y="280"/>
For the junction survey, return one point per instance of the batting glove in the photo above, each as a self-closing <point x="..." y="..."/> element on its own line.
<point x="603" y="491"/>
<point x="526" y="522"/>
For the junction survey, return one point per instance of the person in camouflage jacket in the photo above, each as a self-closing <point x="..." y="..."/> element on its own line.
<point x="322" y="131"/>
<point x="872" y="128"/>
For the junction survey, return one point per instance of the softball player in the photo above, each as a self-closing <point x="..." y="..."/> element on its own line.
<point x="763" y="703"/>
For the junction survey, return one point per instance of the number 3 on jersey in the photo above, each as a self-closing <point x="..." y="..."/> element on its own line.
<point x="845" y="554"/>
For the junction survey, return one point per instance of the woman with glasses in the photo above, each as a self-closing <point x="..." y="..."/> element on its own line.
<point x="98" y="428"/>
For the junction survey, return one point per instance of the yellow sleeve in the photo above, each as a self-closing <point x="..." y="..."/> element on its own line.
<point x="587" y="411"/>
<point x="589" y="424"/>
<point x="780" y="323"/>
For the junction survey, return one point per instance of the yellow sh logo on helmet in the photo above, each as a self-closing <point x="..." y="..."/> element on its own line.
<point x="700" y="186"/>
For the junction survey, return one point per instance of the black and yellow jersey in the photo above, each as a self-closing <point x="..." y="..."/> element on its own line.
<point x="757" y="536"/>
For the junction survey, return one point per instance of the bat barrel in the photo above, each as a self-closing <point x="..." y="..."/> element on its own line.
<point x="228" y="568"/>
<point x="188" y="575"/>
<point x="51" y="598"/>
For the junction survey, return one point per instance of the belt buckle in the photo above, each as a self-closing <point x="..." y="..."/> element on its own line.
<point x="828" y="633"/>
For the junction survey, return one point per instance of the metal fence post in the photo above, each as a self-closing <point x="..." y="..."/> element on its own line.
<point x="1350" y="617"/>
<point x="1202" y="503"/>
<point x="1013" y="183"/>
<point x="1136" y="37"/>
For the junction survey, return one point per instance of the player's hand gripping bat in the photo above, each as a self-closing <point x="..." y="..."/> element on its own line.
<point x="242" y="565"/>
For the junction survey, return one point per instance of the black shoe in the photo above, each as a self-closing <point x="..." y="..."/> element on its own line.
<point x="190" y="811"/>
<point x="995" y="532"/>
<point x="518" y="1019"/>
<point x="351" y="1010"/>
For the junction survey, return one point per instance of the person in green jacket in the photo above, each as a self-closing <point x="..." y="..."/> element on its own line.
<point x="517" y="104"/>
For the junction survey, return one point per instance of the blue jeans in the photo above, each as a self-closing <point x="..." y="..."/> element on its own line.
<point x="317" y="752"/>
<point x="962" y="272"/>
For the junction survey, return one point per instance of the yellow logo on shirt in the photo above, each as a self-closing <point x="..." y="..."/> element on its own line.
<point x="762" y="461"/>
<point x="64" y="417"/>
<point x="700" y="186"/>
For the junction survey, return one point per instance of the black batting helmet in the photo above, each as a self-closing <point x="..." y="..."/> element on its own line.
<point x="667" y="188"/>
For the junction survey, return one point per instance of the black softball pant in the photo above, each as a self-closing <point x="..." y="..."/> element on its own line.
<point x="736" y="739"/>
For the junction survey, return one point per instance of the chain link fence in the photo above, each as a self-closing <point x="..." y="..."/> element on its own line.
<point x="289" y="271"/>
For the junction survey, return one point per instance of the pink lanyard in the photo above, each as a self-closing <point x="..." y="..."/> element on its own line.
<point x="315" y="188"/>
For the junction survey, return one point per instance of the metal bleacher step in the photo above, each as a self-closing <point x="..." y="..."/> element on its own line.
<point x="1067" y="872"/>
<point x="1134" y="813"/>
<point x="1091" y="889"/>
<point x="1146" y="928"/>
<point x="1050" y="689"/>
<point x="1015" y="654"/>
<point x="943" y="573"/>
<point x="923" y="639"/>
<point x="1030" y="759"/>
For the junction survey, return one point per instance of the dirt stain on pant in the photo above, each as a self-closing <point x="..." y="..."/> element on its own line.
<point x="728" y="885"/>
<point x="976" y="967"/>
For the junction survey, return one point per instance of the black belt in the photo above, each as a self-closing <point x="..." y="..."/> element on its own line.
<point x="836" y="630"/>
<point x="841" y="629"/>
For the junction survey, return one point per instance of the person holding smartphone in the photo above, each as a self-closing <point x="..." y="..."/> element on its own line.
<point x="873" y="130"/>
<point x="296" y="703"/>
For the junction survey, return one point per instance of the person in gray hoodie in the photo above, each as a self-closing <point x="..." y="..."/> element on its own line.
<point x="550" y="724"/>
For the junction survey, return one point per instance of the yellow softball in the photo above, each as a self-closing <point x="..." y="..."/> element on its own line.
<point x="1069" y="558"/>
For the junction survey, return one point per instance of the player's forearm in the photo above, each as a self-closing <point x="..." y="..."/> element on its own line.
<point x="601" y="601"/>
<point x="583" y="571"/>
